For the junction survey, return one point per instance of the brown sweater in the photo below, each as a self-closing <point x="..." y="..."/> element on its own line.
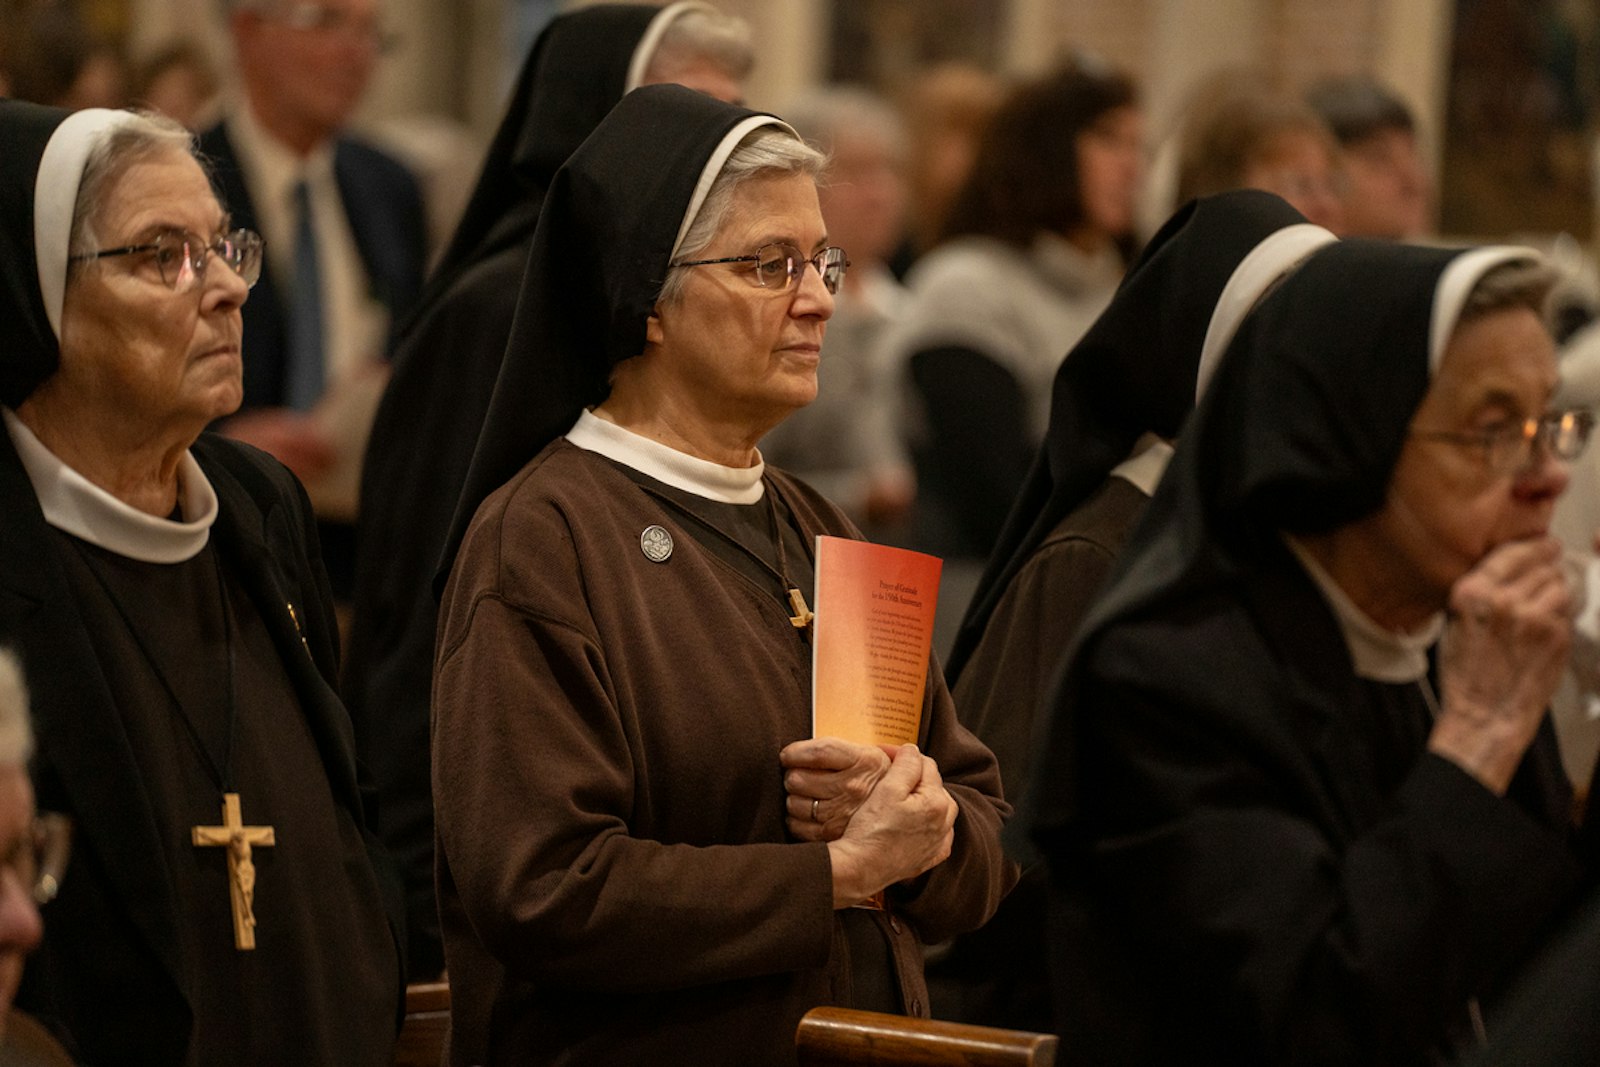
<point x="616" y="883"/>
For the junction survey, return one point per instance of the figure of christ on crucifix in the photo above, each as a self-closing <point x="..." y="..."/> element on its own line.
<point x="239" y="839"/>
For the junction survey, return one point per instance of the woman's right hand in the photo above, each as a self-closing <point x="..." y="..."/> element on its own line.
<point x="905" y="827"/>
<point x="1507" y="642"/>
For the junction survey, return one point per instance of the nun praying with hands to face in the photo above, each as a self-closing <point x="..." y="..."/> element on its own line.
<point x="643" y="855"/>
<point x="1297" y="793"/>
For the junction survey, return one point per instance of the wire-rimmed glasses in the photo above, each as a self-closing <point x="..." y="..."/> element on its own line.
<point x="1509" y="447"/>
<point x="180" y="257"/>
<point x="779" y="265"/>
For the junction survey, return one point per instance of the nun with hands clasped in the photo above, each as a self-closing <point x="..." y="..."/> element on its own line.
<point x="643" y="855"/>
<point x="1296" y="788"/>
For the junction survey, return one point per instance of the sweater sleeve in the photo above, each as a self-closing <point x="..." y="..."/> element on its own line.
<point x="535" y="787"/>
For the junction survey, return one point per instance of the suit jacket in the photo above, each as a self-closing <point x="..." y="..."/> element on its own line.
<point x="386" y="216"/>
<point x="114" y="928"/>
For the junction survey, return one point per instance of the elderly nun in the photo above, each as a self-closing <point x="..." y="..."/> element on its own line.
<point x="164" y="592"/>
<point x="644" y="856"/>
<point x="1297" y="793"/>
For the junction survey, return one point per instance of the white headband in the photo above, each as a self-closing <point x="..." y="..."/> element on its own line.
<point x="1450" y="295"/>
<point x="55" y="195"/>
<point x="714" y="165"/>
<point x="1277" y="255"/>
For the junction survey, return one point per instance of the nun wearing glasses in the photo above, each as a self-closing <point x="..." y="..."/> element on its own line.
<point x="643" y="855"/>
<point x="164" y="591"/>
<point x="1297" y="795"/>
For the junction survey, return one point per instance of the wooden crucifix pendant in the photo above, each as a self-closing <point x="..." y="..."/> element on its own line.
<point x="802" y="614"/>
<point x="238" y="839"/>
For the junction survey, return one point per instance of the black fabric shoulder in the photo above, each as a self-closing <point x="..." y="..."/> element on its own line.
<point x="29" y="352"/>
<point x="1132" y="373"/>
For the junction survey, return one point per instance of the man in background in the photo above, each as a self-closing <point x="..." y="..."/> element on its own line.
<point x="1384" y="185"/>
<point x="345" y="235"/>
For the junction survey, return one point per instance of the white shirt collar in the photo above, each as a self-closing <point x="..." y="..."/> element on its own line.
<point x="1378" y="654"/>
<point x="270" y="170"/>
<point x="77" y="506"/>
<point x="1145" y="464"/>
<point x="731" y="485"/>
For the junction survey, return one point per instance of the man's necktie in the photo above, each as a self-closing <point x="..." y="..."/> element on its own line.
<point x="305" y="370"/>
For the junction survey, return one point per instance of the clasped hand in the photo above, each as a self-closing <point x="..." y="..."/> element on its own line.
<point x="1507" y="640"/>
<point x="884" y="811"/>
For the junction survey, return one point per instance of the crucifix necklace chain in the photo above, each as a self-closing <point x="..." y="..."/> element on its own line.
<point x="800" y="614"/>
<point x="232" y="834"/>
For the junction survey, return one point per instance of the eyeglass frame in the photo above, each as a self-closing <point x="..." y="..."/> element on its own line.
<point x="793" y="276"/>
<point x="1535" y="430"/>
<point x="248" y="238"/>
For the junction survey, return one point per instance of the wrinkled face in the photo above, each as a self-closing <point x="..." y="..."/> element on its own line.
<point x="308" y="62"/>
<point x="1299" y="166"/>
<point x="864" y="198"/>
<point x="20" y="928"/>
<point x="134" y="351"/>
<point x="1446" y="507"/>
<point x="740" y="354"/>
<point x="1110" y="165"/>
<point x="1387" y="192"/>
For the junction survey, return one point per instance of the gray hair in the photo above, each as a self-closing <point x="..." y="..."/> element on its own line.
<point x="702" y="34"/>
<point x="16" y="736"/>
<point x="1518" y="283"/>
<point x="823" y="116"/>
<point x="765" y="152"/>
<point x="145" y="136"/>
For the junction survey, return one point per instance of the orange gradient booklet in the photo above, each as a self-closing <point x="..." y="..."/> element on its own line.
<point x="870" y="642"/>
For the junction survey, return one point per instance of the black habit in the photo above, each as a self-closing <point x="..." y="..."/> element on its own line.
<point x="138" y="963"/>
<point x="1252" y="856"/>
<point x="1132" y="379"/>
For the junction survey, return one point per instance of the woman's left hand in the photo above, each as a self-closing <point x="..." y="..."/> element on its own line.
<point x="827" y="779"/>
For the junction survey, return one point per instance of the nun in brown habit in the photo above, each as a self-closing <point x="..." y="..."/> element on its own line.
<point x="443" y="370"/>
<point x="643" y="855"/>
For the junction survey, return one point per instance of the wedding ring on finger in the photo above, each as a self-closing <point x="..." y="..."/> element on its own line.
<point x="814" y="812"/>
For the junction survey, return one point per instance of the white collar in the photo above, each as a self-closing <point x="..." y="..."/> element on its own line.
<point x="1378" y="654"/>
<point x="1145" y="464"/>
<point x="275" y="164"/>
<point x="731" y="485"/>
<point x="77" y="506"/>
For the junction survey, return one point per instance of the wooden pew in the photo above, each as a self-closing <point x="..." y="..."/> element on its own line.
<point x="427" y="1025"/>
<point x="842" y="1037"/>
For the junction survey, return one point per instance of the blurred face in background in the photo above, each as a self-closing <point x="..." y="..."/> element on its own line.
<point x="1110" y="168"/>
<point x="1299" y="165"/>
<point x="864" y="196"/>
<point x="307" y="63"/>
<point x="699" y="73"/>
<point x="1386" y="189"/>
